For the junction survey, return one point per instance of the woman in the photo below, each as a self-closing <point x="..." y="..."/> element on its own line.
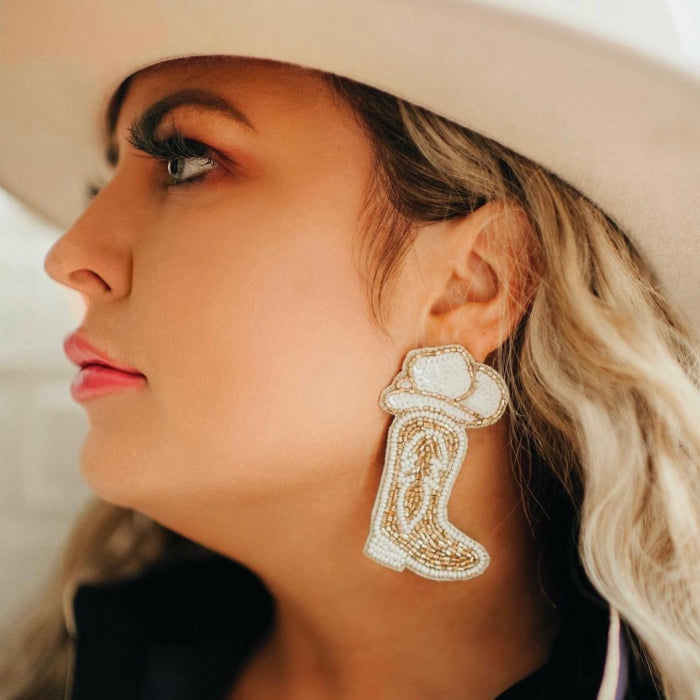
<point x="316" y="301"/>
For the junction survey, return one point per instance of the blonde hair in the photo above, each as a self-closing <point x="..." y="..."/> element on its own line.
<point x="603" y="373"/>
<point x="604" y="381"/>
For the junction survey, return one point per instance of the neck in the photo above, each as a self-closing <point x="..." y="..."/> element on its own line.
<point x="346" y="627"/>
<point x="350" y="631"/>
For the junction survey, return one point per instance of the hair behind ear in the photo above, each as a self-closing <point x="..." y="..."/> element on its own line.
<point x="603" y="373"/>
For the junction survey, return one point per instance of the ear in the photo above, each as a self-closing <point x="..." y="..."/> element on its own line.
<point x="482" y="279"/>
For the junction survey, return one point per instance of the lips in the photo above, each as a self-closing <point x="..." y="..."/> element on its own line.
<point x="83" y="354"/>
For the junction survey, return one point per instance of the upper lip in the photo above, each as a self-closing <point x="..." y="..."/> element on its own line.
<point x="82" y="353"/>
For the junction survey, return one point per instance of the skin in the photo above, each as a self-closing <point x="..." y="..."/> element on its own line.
<point x="243" y="299"/>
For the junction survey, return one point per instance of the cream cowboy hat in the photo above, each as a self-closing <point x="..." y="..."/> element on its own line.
<point x="608" y="100"/>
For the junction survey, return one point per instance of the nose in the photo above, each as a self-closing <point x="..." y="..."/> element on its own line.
<point x="94" y="257"/>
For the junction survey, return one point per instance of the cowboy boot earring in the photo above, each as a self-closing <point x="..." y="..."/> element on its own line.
<point x="437" y="395"/>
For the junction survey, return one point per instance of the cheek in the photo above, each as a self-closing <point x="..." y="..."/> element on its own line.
<point x="264" y="352"/>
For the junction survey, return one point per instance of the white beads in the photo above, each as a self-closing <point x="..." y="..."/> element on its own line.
<point x="448" y="379"/>
<point x="447" y="373"/>
<point x="436" y="396"/>
<point x="486" y="397"/>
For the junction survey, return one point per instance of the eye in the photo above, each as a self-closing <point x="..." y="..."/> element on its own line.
<point x="183" y="168"/>
<point x="185" y="160"/>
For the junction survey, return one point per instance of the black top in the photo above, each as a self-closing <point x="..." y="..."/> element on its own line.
<point x="183" y="631"/>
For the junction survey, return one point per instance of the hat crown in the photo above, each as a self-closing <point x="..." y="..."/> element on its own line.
<point x="446" y="374"/>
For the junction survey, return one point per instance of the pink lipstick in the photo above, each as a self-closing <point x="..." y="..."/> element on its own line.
<point x="99" y="374"/>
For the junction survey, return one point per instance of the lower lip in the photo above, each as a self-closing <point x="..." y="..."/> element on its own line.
<point x="94" y="381"/>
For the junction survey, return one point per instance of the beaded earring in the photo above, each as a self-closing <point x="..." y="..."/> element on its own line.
<point x="437" y="395"/>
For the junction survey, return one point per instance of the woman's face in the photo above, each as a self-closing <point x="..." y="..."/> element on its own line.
<point x="239" y="292"/>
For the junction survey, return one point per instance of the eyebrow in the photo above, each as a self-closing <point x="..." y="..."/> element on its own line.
<point x="149" y="121"/>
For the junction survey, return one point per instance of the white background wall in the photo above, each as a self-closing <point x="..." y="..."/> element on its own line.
<point x="41" y="427"/>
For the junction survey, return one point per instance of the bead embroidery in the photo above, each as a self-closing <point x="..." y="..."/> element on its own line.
<point x="438" y="393"/>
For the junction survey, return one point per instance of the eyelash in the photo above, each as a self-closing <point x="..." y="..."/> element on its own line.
<point x="170" y="148"/>
<point x="142" y="138"/>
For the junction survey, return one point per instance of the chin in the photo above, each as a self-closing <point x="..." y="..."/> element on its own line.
<point x="111" y="470"/>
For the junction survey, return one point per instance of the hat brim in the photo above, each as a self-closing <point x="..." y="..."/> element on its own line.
<point x="622" y="128"/>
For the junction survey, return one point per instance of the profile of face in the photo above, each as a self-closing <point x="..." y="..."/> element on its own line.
<point x="235" y="286"/>
<point x="234" y="281"/>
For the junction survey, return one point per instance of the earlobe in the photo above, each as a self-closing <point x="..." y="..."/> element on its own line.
<point x="483" y="296"/>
